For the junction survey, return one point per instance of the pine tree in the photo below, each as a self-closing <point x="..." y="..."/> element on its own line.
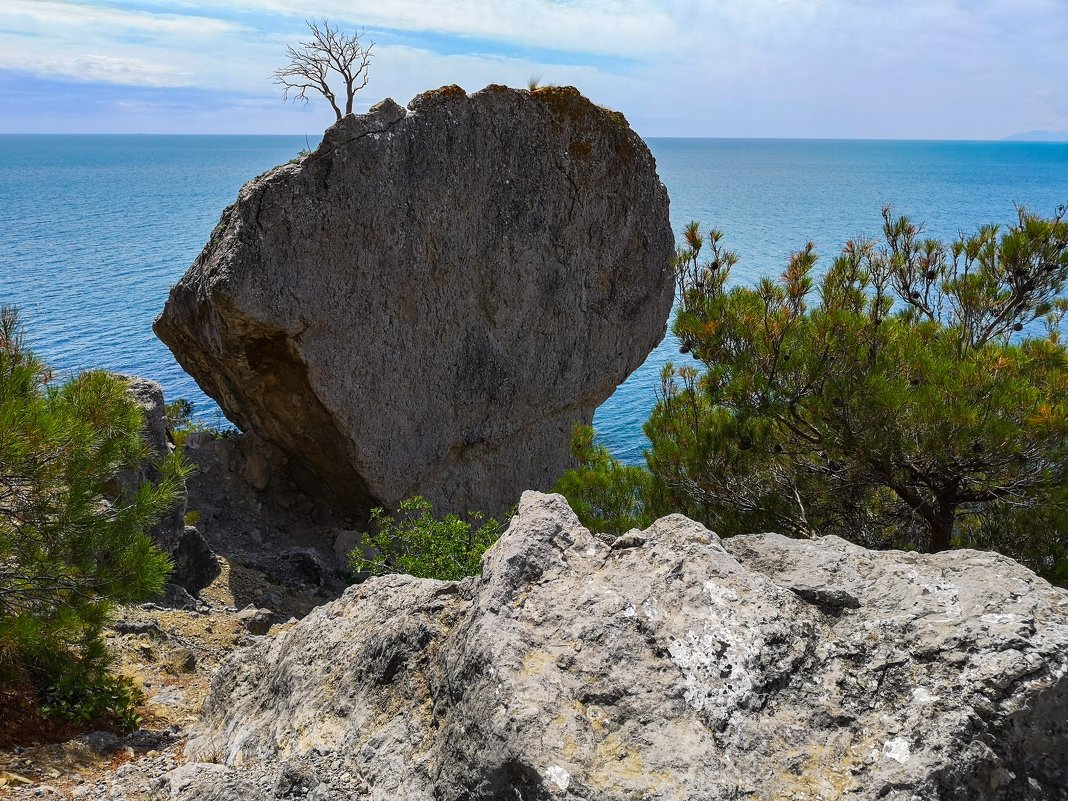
<point x="72" y="543"/>
<point x="910" y="401"/>
<point x="607" y="496"/>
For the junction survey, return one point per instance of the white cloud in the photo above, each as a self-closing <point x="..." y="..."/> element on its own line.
<point x="49" y="17"/>
<point x="93" y="67"/>
<point x="90" y="43"/>
<point x="910" y="68"/>
<point x="628" y="28"/>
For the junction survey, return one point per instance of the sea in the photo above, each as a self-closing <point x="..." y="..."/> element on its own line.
<point x="95" y="229"/>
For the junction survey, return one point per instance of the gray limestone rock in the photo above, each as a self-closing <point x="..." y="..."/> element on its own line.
<point x="256" y="620"/>
<point x="252" y="513"/>
<point x="679" y="667"/>
<point x="195" y="565"/>
<point x="429" y="301"/>
<point x="149" y="397"/>
<point x="175" y="596"/>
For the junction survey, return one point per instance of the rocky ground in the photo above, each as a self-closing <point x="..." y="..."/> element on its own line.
<point x="667" y="665"/>
<point x="171" y="654"/>
<point x="664" y="665"/>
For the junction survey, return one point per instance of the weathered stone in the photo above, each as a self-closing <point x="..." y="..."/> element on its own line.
<point x="257" y="621"/>
<point x="680" y="667"/>
<point x="305" y="565"/>
<point x="149" y="397"/>
<point x="426" y="303"/>
<point x="174" y="596"/>
<point x="139" y="627"/>
<point x="195" y="566"/>
<point x="102" y="743"/>
<point x="258" y="525"/>
<point x="180" y="660"/>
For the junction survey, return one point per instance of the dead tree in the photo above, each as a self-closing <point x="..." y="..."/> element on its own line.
<point x="328" y="56"/>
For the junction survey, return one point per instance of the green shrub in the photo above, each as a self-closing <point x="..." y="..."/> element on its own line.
<point x="181" y="423"/>
<point x="415" y="542"/>
<point x="96" y="697"/>
<point x="608" y="496"/>
<point x="72" y="542"/>
<point x="900" y="402"/>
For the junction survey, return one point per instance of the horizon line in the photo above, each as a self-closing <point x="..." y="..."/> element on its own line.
<point x="1012" y="140"/>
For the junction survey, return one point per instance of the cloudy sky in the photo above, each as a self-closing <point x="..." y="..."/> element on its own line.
<point x="926" y="69"/>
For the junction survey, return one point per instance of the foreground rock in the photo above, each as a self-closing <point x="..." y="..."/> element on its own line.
<point x="679" y="668"/>
<point x="430" y="300"/>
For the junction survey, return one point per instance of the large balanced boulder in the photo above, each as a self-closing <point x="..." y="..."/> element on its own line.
<point x="666" y="665"/>
<point x="430" y="300"/>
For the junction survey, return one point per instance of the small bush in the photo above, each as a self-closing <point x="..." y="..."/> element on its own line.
<point x="181" y="423"/>
<point x="415" y="542"/>
<point x="94" y="697"/>
<point x="608" y="497"/>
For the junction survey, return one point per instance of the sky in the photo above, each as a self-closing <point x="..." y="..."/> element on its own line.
<point x="883" y="69"/>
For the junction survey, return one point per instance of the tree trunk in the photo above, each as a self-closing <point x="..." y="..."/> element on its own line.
<point x="942" y="528"/>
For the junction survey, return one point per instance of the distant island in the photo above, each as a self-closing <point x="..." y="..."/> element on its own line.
<point x="1038" y="136"/>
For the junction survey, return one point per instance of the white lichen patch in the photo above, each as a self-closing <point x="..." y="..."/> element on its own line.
<point x="922" y="697"/>
<point x="558" y="777"/>
<point x="651" y="609"/>
<point x="897" y="749"/>
<point x="943" y="594"/>
<point x="717" y="662"/>
<point x="1001" y="619"/>
<point x="720" y="596"/>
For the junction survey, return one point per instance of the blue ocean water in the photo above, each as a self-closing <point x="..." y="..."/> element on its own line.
<point x="95" y="229"/>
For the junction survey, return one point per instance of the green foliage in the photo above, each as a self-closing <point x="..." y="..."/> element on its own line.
<point x="608" y="496"/>
<point x="415" y="542"/>
<point x="94" y="697"/>
<point x="896" y="404"/>
<point x="181" y="423"/>
<point x="179" y="413"/>
<point x="73" y="535"/>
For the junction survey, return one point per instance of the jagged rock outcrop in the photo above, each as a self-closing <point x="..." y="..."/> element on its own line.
<point x="195" y="565"/>
<point x="427" y="302"/>
<point x="148" y="395"/>
<point x="670" y="665"/>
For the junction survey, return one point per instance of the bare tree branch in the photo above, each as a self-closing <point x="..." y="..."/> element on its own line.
<point x="328" y="55"/>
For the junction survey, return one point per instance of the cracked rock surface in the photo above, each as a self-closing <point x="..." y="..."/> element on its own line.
<point x="677" y="667"/>
<point x="428" y="302"/>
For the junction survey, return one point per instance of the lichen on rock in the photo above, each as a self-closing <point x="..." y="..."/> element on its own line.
<point x="683" y="668"/>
